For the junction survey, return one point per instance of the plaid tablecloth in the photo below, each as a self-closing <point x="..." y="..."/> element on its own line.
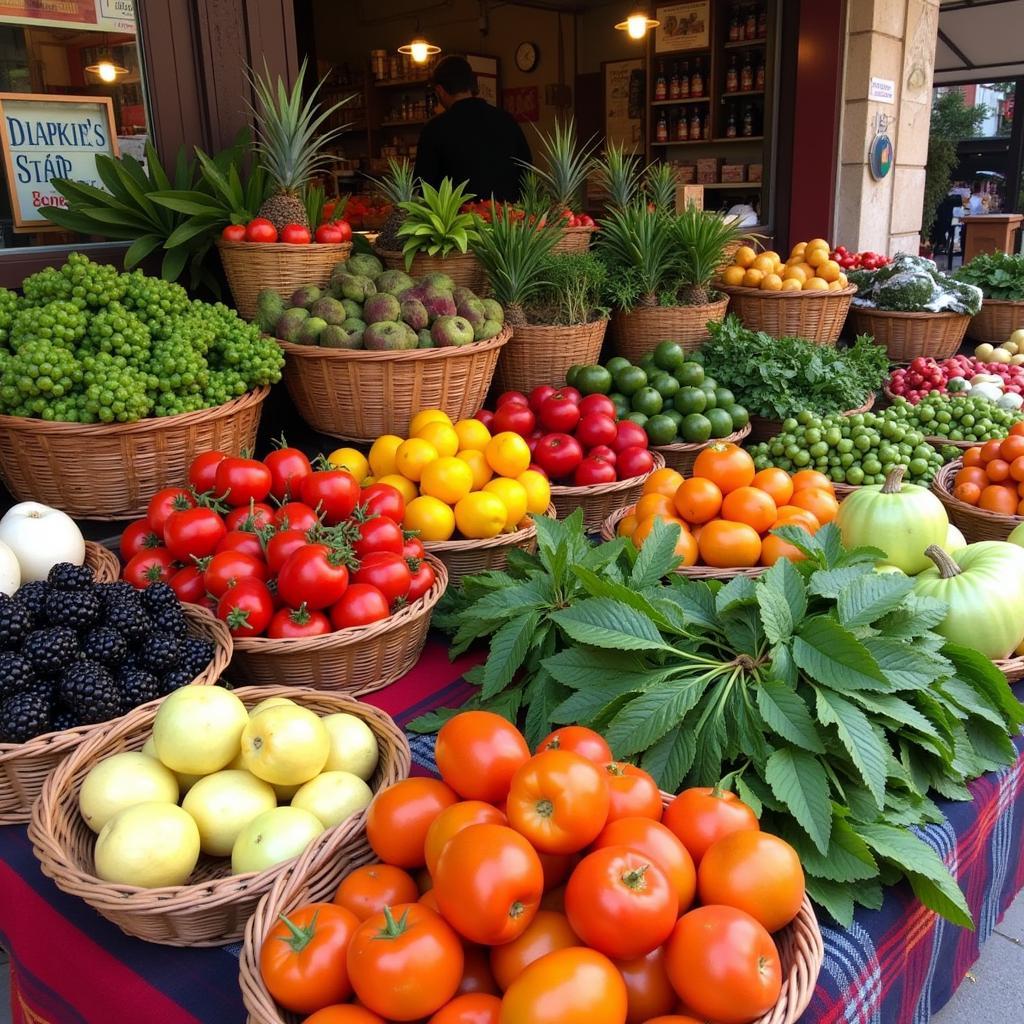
<point x="897" y="965"/>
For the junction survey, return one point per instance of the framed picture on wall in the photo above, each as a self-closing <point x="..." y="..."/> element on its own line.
<point x="685" y="26"/>
<point x="624" y="102"/>
<point x="487" y="69"/>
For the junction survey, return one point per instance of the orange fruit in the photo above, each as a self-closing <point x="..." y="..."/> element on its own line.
<point x="752" y="278"/>
<point x="726" y="465"/>
<point x="655" y="505"/>
<point x="773" y="548"/>
<point x="733" y="275"/>
<point x="771" y="283"/>
<point x="815" y="257"/>
<point x="990" y="451"/>
<point x="829" y="271"/>
<point x="819" y="243"/>
<point x="820" y="503"/>
<point x="972" y="457"/>
<point x="776" y="482"/>
<point x="1017" y="468"/>
<point x="810" y="478"/>
<point x="728" y="545"/>
<point x="834" y="286"/>
<point x="793" y="515"/>
<point x="798" y="250"/>
<point x="792" y="284"/>
<point x="815" y="284"/>
<point x="751" y="506"/>
<point x="698" y="500"/>
<point x="627" y="524"/>
<point x="967" y="492"/>
<point x="1012" y="447"/>
<point x="997" y="470"/>
<point x="972" y="475"/>
<point x="799" y="271"/>
<point x="997" y="498"/>
<point x="663" y="481"/>
<point x="744" y="257"/>
<point x="644" y="527"/>
<point x="442" y="436"/>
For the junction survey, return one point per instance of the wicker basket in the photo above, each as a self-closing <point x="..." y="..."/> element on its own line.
<point x="598" y="501"/>
<point x="817" y="316"/>
<point x="941" y="442"/>
<point x="540" y="354"/>
<point x="974" y="523"/>
<point x="574" y="240"/>
<point x="762" y="429"/>
<point x="359" y="395"/>
<point x="682" y="456"/>
<point x="212" y="909"/>
<point x="111" y="470"/>
<point x="252" y="266"/>
<point x="470" y="557"/>
<point x="24" y="767"/>
<point x="638" y="331"/>
<point x="905" y="336"/>
<point x="351" y="661"/>
<point x="800" y="945"/>
<point x="996" y="321"/>
<point x="103" y="562"/>
<point x="462" y="267"/>
<point x="1012" y="668"/>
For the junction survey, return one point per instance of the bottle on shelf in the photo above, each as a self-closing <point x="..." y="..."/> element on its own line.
<point x="748" y="120"/>
<point x="750" y="25"/>
<point x="661" y="129"/>
<point x="673" y="82"/>
<point x="735" y="26"/>
<point x="706" y="134"/>
<point x="682" y="131"/>
<point x="684" y="80"/>
<point x="762" y="23"/>
<point x="759" y="74"/>
<point x="697" y="79"/>
<point x="747" y="74"/>
<point x="660" y="85"/>
<point x="732" y="75"/>
<point x="730" y="124"/>
<point x="695" y="124"/>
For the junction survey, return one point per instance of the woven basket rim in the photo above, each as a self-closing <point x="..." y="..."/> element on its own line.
<point x="502" y="540"/>
<point x="986" y="301"/>
<point x="580" y="228"/>
<point x="561" y="328"/>
<point x="821" y="293"/>
<point x="370" y="356"/>
<point x="940" y="484"/>
<point x="685" y="447"/>
<point x="599" y="490"/>
<point x="400" y="254"/>
<point x="105" y="565"/>
<point x="150" y="424"/>
<point x="935" y="441"/>
<point x="689" y="310"/>
<point x="280" y="247"/>
<point x="892" y="314"/>
<point x="323" y="645"/>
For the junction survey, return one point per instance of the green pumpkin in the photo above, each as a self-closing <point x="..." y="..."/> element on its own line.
<point x="900" y="519"/>
<point x="983" y="584"/>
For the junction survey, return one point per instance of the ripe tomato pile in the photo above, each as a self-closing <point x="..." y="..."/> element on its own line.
<point x="483" y="209"/>
<point x="992" y="476"/>
<point x="866" y="260"/>
<point x="925" y="375"/>
<point x="576" y="441"/>
<point x="544" y="889"/>
<point x="326" y="555"/>
<point x="259" y="229"/>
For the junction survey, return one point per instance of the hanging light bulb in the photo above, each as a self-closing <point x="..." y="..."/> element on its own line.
<point x="106" y="70"/>
<point x="420" y="50"/>
<point x="637" y="24"/>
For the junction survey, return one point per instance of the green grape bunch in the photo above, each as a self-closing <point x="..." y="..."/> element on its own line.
<point x="59" y="321"/>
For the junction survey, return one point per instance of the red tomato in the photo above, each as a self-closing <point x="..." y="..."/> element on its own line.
<point x="602" y="451"/>
<point x="488" y="882"/>
<point x="514" y="416"/>
<point x="629" y="435"/>
<point x="193" y="533"/>
<point x="386" y="571"/>
<point x="598" y="404"/>
<point x="281" y="546"/>
<point x="723" y="965"/>
<point x="634" y="461"/>
<point x="453" y="820"/>
<point x="361" y="605"/>
<point x="633" y="792"/>
<point x="233" y="233"/>
<point x="288" y="468"/>
<point x="399" y="817"/>
<point x="511" y="396"/>
<point x="371" y="888"/>
<point x="559" y="413"/>
<point x="295" y="234"/>
<point x="478" y="752"/>
<point x="648" y="990"/>
<point x="163" y="503"/>
<point x="329" y="234"/>
<point x="241" y="540"/>
<point x="596" y="428"/>
<point x="247" y="608"/>
<point x="422" y="580"/>
<point x="572" y="394"/>
<point x="188" y="584"/>
<point x="593" y="470"/>
<point x="619" y="902"/>
<point x="469" y="1008"/>
<point x="539" y="394"/>
<point x="250" y="518"/>
<point x="558" y="455"/>
<point x="259" y="229"/>
<point x="138" y="536"/>
<point x="290" y="623"/>
<point x="154" y="565"/>
<point x="228" y="568"/>
<point x="548" y="931"/>
<point x="485" y="416"/>
<point x="378" y="534"/>
<point x="202" y="471"/>
<point x="314" y="575"/>
<point x="578" y="739"/>
<point x="413" y="548"/>
<point x="240" y="480"/>
<point x="701" y="816"/>
<point x="332" y="492"/>
<point x="345" y="228"/>
<point x="383" y="500"/>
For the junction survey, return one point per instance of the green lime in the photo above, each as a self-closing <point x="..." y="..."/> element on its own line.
<point x="710" y="382"/>
<point x="739" y="416"/>
<point x="616" y="363"/>
<point x="660" y="429"/>
<point x="723" y="396"/>
<point x="593" y="380"/>
<point x="648" y="401"/>
<point x="690" y="374"/>
<point x="712" y="398"/>
<point x="665" y="384"/>
<point x="721" y="422"/>
<point x="622" y="407"/>
<point x="669" y="355"/>
<point x="696" y="429"/>
<point x="629" y="380"/>
<point x="638" y="417"/>
<point x="674" y="415"/>
<point x="572" y="373"/>
<point x="690" y="400"/>
<point x="647" y="364"/>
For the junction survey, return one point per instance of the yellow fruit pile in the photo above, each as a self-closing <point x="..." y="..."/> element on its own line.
<point x="456" y="479"/>
<point x="809" y="268"/>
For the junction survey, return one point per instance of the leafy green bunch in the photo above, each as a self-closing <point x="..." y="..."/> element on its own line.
<point x="999" y="275"/>
<point x="819" y="692"/>
<point x="435" y="224"/>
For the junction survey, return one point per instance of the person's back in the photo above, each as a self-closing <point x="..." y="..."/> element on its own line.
<point x="976" y="205"/>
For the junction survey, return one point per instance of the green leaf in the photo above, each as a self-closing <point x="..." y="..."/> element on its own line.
<point x="991" y="742"/>
<point x="508" y="649"/>
<point x="798" y="781"/>
<point x="541" y="697"/>
<point x="803" y="541"/>
<point x="602" y="622"/>
<point x="868" y="753"/>
<point x="897" y="709"/>
<point x="583" y="667"/>
<point x="647" y="717"/>
<point x="848" y="858"/>
<point x="976" y="670"/>
<point x="783" y="576"/>
<point x="737" y="592"/>
<point x="833" y="656"/>
<point x="190" y="229"/>
<point x="140" y="249"/>
<point x="915" y="616"/>
<point x="871" y="596"/>
<point x="966" y="697"/>
<point x="600" y="586"/>
<point x="173" y="263"/>
<point x="776" y="615"/>
<point x="785" y="712"/>
<point x="670" y="758"/>
<point x="593" y="702"/>
<point x="657" y="557"/>
<point x="907" y="667"/>
<point x="833" y="897"/>
<point x="696" y="601"/>
<point x="748" y="796"/>
<point x="830" y="582"/>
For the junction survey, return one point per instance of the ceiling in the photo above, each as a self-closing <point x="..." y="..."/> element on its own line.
<point x="979" y="40"/>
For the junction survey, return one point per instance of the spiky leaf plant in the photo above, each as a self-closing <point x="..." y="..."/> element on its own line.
<point x="660" y="187"/>
<point x="701" y="238"/>
<point x="567" y="165"/>
<point x="618" y="174"/>
<point x="639" y="248"/>
<point x="532" y="200"/>
<point x="290" y="142"/>
<point x="435" y="224"/>
<point x="397" y="186"/>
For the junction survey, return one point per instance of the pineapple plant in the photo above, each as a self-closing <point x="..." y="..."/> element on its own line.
<point x="701" y="238"/>
<point x="660" y="187"/>
<point x="567" y="165"/>
<point x="638" y="246"/>
<point x="397" y="186"/>
<point x="616" y="173"/>
<point x="289" y="143"/>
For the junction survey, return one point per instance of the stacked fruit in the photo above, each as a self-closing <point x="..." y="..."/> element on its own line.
<point x="957" y="416"/>
<point x="576" y="441"/>
<point x="1009" y="352"/>
<point x="256" y="786"/>
<point x="726" y="510"/>
<point x="259" y="229"/>
<point x="668" y="394"/>
<point x="483" y="209"/>
<point x="810" y="267"/>
<point x="558" y="888"/>
<point x="958" y="373"/>
<point x="866" y="260"/>
<point x="992" y="477"/>
<point x="74" y="652"/>
<point x="330" y="555"/>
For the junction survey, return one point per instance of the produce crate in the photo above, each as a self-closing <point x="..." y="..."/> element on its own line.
<point x="541" y="354"/>
<point x="682" y="456"/>
<point x="974" y="523"/>
<point x="905" y="336"/>
<point x="638" y="331"/>
<point x="574" y="240"/>
<point x="598" y="501"/>
<point x="816" y="315"/>
<point x="212" y="909"/>
<point x="996" y="321"/>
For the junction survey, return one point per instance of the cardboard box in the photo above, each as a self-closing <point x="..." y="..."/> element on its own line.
<point x="686" y="174"/>
<point x="753" y="172"/>
<point x="734" y="172"/>
<point x="707" y="170"/>
<point x="689" y="195"/>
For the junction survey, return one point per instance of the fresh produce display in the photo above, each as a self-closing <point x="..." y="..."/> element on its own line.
<point x="914" y="284"/>
<point x="726" y="512"/>
<point x="75" y="652"/>
<point x="1009" y="352"/>
<point x="992" y="475"/>
<point x="658" y="906"/>
<point x="574" y="440"/>
<point x="86" y="344"/>
<point x="488" y="212"/>
<point x="33" y="539"/>
<point x="810" y="267"/>
<point x="260" y="229"/>
<point x="866" y="260"/>
<point x="960" y="374"/>
<point x="368" y="307"/>
<point x="799" y="690"/>
<point x="999" y="275"/>
<point x="669" y="394"/>
<point x="256" y="786"/>
<point x="779" y="377"/>
<point x="434" y="223"/>
<point x="961" y="415"/>
<point x="858" y="449"/>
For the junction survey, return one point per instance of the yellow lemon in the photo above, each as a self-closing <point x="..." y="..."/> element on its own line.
<point x="413" y="455"/>
<point x="733" y="275"/>
<point x="430" y="517"/>
<point x="765" y="263"/>
<point x="843" y="280"/>
<point x="815" y="284"/>
<point x="744" y="256"/>
<point x="834" y="286"/>
<point x="480" y="515"/>
<point x="816" y="257"/>
<point x="441" y="435"/>
<point x="772" y="255"/>
<point x="477" y="462"/>
<point x="796" y="271"/>
<point x="382" y="454"/>
<point x="829" y="271"/>
<point x="352" y="460"/>
<point x="819" y="243"/>
<point x="771" y="283"/>
<point x="538" y="490"/>
<point x="792" y="284"/>
<point x="507" y="454"/>
<point x="798" y="249"/>
<point x="513" y="495"/>
<point x="473" y="435"/>
<point x="425" y="416"/>
<point x="753" y="278"/>
<point x="406" y="488"/>
<point x="447" y="478"/>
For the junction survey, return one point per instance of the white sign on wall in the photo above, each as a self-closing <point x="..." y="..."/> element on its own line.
<point x="91" y="15"/>
<point x="882" y="90"/>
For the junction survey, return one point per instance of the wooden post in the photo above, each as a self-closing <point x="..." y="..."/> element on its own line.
<point x="989" y="232"/>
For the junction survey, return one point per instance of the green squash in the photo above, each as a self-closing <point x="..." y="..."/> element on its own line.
<point x="983" y="584"/>
<point x="1017" y="537"/>
<point x="900" y="519"/>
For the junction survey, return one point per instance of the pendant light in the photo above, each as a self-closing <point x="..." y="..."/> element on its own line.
<point x="106" y="70"/>
<point x="637" y="24"/>
<point x="420" y="50"/>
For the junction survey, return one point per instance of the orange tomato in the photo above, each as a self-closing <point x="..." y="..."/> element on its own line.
<point x="557" y="867"/>
<point x="997" y="498"/>
<point x="627" y="525"/>
<point x="967" y="492"/>
<point x="728" y="545"/>
<point x="344" y="1013"/>
<point x="773" y="548"/>
<point x="972" y="475"/>
<point x="1017" y="429"/>
<point x="648" y="990"/>
<point x="547" y="932"/>
<point x="371" y="888"/>
<point x="1012" y="447"/>
<point x="1020" y="512"/>
<point x="469" y="1008"/>
<point x="644" y="527"/>
<point x="810" y="478"/>
<point x="476" y="970"/>
<point x="1020" y="489"/>
<point x="776" y="482"/>
<point x="663" y="481"/>
<point x="726" y="465"/>
<point x="687" y="548"/>
<point x="1017" y="468"/>
<point x="429" y="900"/>
<point x="477" y="754"/>
<point x="990" y="451"/>
<point x="656" y="504"/>
<point x="701" y="816"/>
<point x="453" y="820"/>
<point x="972" y="457"/>
<point x="820" y="503"/>
<point x="751" y="506"/>
<point x="698" y="500"/>
<point x="794" y="515"/>
<point x="398" y="819"/>
<point x="632" y="791"/>
<point x="997" y="470"/>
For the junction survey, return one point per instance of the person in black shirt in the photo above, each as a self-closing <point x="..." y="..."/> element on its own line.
<point x="471" y="141"/>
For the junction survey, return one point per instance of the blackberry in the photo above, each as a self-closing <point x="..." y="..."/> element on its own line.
<point x="158" y="652"/>
<point x="32" y="596"/>
<point x="66" y="576"/>
<point x="16" y="673"/>
<point x="195" y="654"/>
<point x="64" y="718"/>
<point x="137" y="687"/>
<point x="157" y="596"/>
<point x="16" y="621"/>
<point x="175" y="679"/>
<point x="47" y="688"/>
<point x="169" y="620"/>
<point x="52" y="650"/>
<point x="23" y="716"/>
<point x="105" y="645"/>
<point x="128" y="618"/>
<point x="116" y="591"/>
<point x="78" y="609"/>
<point x="89" y="690"/>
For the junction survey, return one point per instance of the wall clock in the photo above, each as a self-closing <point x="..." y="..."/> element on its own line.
<point x="527" y="56"/>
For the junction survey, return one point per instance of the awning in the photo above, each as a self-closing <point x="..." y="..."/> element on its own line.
<point x="979" y="40"/>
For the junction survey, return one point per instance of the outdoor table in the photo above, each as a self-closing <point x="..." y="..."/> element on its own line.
<point x="895" y="965"/>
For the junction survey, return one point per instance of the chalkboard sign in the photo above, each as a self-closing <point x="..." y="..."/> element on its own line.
<point x="45" y="137"/>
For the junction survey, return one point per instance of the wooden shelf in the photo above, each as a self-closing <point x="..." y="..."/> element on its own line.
<point x="744" y="44"/>
<point x="745" y="185"/>
<point x="739" y="95"/>
<point x="738" y="138"/>
<point x="396" y="83"/>
<point x="403" y="124"/>
<point x="687" y="142"/>
<point x="679" y="103"/>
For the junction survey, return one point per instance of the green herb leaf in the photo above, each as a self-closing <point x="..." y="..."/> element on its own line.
<point x="834" y="897"/>
<point x="647" y="717"/>
<point x="868" y="753"/>
<point x="870" y="596"/>
<point x="602" y="622"/>
<point x="785" y="712"/>
<point x="508" y="649"/>
<point x="830" y="582"/>
<point x="832" y="655"/>
<point x="669" y="759"/>
<point x="798" y="780"/>
<point x="737" y="592"/>
<point x="657" y="557"/>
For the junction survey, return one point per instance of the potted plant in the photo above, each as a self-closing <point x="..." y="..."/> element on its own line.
<point x="615" y="174"/>
<point x="551" y="299"/>
<point x="397" y="186"/>
<point x="1000" y="277"/>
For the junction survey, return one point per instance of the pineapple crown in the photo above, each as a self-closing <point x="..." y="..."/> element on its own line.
<point x="618" y="175"/>
<point x="660" y="186"/>
<point x="701" y="238"/>
<point x="568" y="164"/>
<point x="287" y="128"/>
<point x="399" y="184"/>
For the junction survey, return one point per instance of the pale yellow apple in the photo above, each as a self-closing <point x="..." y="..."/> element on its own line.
<point x="353" y="746"/>
<point x="285" y="745"/>
<point x="274" y="837"/>
<point x="223" y="804"/>
<point x="333" y="797"/>
<point x="148" y="845"/>
<point x="121" y="781"/>
<point x="197" y="729"/>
